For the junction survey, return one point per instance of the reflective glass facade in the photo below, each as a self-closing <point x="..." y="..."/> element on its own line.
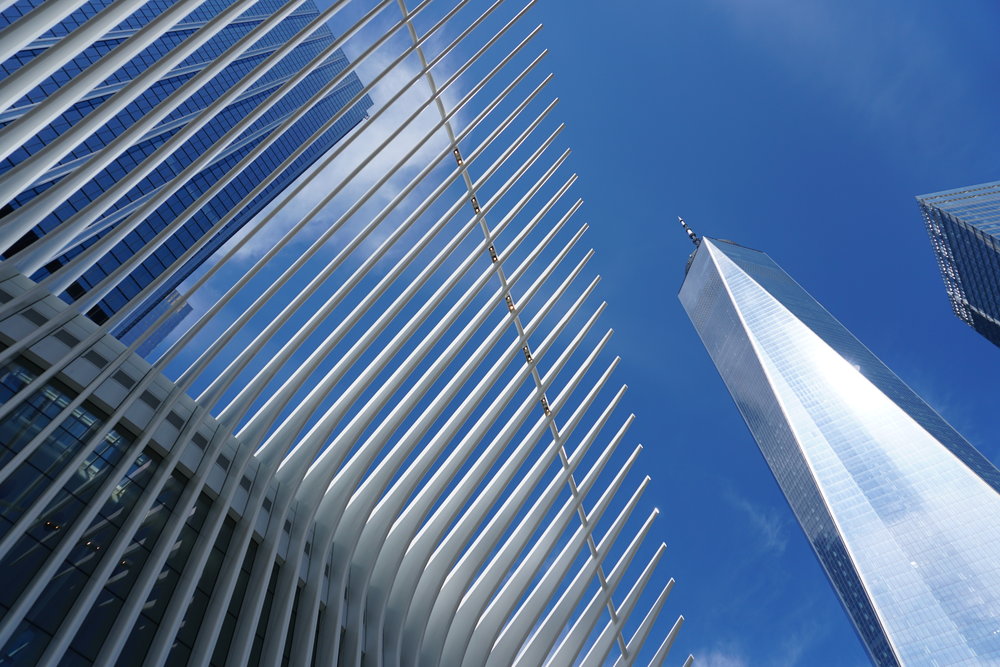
<point x="112" y="455"/>
<point x="903" y="513"/>
<point x="172" y="321"/>
<point x="964" y="226"/>
<point x="233" y="193"/>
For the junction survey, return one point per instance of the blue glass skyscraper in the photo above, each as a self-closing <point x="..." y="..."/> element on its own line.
<point x="159" y="335"/>
<point x="902" y="512"/>
<point x="231" y="195"/>
<point x="964" y="226"/>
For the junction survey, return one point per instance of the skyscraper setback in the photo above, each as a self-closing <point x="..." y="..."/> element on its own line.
<point x="71" y="175"/>
<point x="964" y="226"/>
<point x="902" y="512"/>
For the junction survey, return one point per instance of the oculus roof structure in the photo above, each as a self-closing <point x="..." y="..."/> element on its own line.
<point x="389" y="437"/>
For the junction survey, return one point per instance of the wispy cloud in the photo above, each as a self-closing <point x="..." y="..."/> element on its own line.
<point x="767" y="523"/>
<point x="385" y="120"/>
<point x="870" y="60"/>
<point x="370" y="135"/>
<point x="720" y="658"/>
<point x="787" y="651"/>
<point x="791" y="650"/>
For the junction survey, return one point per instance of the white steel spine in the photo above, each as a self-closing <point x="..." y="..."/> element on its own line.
<point x="599" y="573"/>
<point x="296" y="189"/>
<point x="18" y="35"/>
<point x="432" y="531"/>
<point x="375" y="255"/>
<point x="100" y="291"/>
<point x="33" y="121"/>
<point x="305" y="409"/>
<point x="38" y="254"/>
<point x="25" y="217"/>
<point x="356" y="206"/>
<point x="388" y="447"/>
<point x="317" y="436"/>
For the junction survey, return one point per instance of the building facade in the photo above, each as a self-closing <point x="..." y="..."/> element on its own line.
<point x="391" y="438"/>
<point x="156" y="199"/>
<point x="173" y="319"/>
<point x="902" y="512"/>
<point x="964" y="226"/>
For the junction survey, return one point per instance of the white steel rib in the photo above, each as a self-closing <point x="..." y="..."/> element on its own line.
<point x="349" y="455"/>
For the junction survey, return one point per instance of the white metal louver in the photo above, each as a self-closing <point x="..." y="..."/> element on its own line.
<point x="406" y="384"/>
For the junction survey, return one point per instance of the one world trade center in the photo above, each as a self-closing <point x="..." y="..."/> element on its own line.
<point x="902" y="512"/>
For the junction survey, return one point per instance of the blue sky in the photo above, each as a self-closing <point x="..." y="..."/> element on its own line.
<point x="805" y="130"/>
<point x="802" y="129"/>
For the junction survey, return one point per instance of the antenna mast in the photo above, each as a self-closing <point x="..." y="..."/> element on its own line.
<point x="690" y="232"/>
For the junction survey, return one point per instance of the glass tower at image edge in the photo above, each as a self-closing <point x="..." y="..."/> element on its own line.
<point x="902" y="512"/>
<point x="964" y="226"/>
<point x="200" y="182"/>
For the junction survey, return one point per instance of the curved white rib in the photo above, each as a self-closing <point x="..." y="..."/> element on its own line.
<point x="101" y="290"/>
<point x="38" y="254"/>
<point x="365" y="521"/>
<point x="20" y="34"/>
<point x="574" y="641"/>
<point x="35" y="23"/>
<point x="43" y="113"/>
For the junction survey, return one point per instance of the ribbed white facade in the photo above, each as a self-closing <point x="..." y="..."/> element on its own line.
<point x="404" y="446"/>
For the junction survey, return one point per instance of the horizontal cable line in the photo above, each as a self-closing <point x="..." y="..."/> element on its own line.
<point x="107" y="90"/>
<point x="67" y="274"/>
<point x="35" y="23"/>
<point x="20" y="301"/>
<point x="13" y="88"/>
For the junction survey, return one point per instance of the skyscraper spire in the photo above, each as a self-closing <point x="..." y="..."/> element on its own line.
<point x="690" y="232"/>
